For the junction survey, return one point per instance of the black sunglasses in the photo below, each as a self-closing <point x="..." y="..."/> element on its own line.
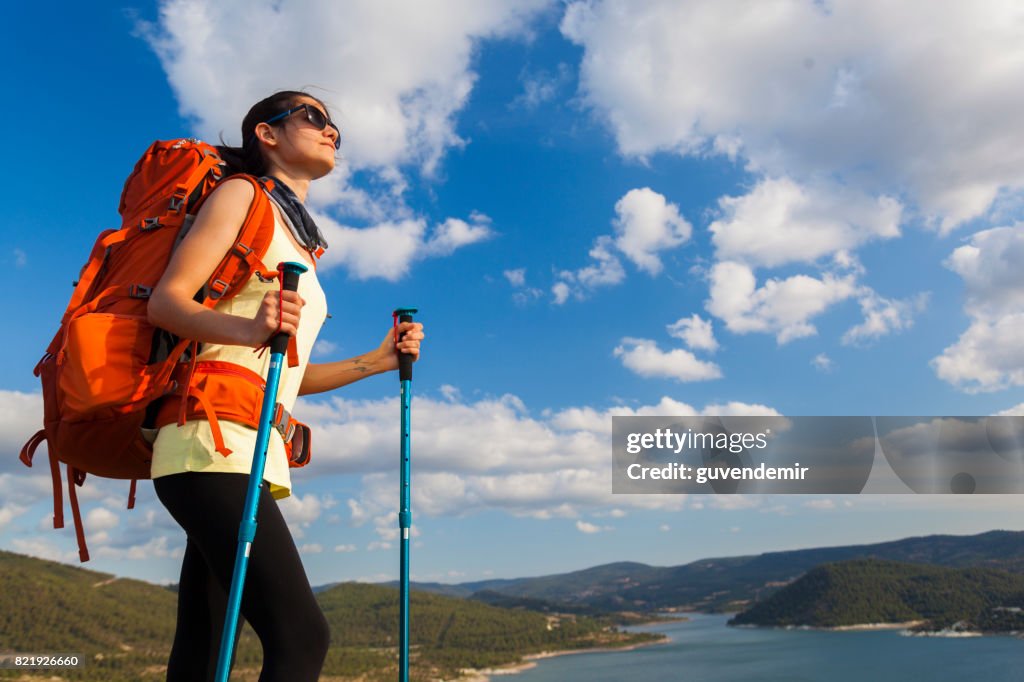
<point x="315" y="117"/>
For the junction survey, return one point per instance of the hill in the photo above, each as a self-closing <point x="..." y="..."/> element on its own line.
<point x="867" y="591"/>
<point x="730" y="583"/>
<point x="124" y="627"/>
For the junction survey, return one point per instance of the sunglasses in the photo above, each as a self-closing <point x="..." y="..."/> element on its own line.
<point x="315" y="117"/>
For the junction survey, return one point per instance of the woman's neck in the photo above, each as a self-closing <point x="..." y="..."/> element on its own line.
<point x="299" y="185"/>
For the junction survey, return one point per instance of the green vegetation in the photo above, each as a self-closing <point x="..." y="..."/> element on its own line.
<point x="732" y="583"/>
<point x="125" y="627"/>
<point x="874" y="591"/>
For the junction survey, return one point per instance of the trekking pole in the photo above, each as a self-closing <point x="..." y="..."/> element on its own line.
<point x="247" y="529"/>
<point x="404" y="512"/>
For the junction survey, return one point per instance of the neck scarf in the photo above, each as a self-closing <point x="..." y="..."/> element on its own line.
<point x="302" y="225"/>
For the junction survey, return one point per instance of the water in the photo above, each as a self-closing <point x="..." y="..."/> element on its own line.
<point x="705" y="650"/>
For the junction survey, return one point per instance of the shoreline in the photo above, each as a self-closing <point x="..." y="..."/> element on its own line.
<point x="530" y="661"/>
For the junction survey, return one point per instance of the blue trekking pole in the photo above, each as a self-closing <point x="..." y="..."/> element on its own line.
<point x="247" y="529"/>
<point x="404" y="513"/>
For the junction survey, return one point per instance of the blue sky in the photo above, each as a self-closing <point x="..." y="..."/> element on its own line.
<point x="600" y="208"/>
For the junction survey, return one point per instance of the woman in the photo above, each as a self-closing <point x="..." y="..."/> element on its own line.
<point x="289" y="137"/>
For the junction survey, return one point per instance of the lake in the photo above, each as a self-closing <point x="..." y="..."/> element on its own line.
<point x="705" y="650"/>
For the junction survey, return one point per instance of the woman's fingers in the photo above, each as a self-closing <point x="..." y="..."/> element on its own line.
<point x="280" y="311"/>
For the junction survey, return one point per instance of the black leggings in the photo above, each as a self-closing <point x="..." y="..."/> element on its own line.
<point x="277" y="600"/>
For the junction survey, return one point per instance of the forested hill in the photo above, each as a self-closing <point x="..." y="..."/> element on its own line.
<point x="730" y="583"/>
<point x="124" y="628"/>
<point x="868" y="591"/>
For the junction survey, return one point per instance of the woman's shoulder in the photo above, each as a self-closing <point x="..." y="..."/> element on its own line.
<point x="235" y="188"/>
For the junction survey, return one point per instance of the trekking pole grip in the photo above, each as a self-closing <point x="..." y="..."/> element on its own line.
<point x="404" y="359"/>
<point x="290" y="272"/>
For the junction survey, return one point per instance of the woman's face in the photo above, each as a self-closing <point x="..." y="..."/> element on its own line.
<point x="301" y="146"/>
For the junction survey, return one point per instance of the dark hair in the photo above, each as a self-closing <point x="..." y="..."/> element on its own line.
<point x="249" y="157"/>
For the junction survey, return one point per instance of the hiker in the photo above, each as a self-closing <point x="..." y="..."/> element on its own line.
<point x="288" y="137"/>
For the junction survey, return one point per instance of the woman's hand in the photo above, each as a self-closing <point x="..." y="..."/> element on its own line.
<point x="410" y="343"/>
<point x="279" y="311"/>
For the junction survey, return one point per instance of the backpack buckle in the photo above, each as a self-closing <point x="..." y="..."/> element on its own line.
<point x="218" y="288"/>
<point x="283" y="422"/>
<point x="139" y="291"/>
<point x="178" y="199"/>
<point x="150" y="224"/>
<point x="241" y="249"/>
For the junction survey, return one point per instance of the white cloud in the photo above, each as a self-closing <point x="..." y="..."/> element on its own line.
<point x="589" y="528"/>
<point x="303" y="510"/>
<point x="100" y="519"/>
<point x="311" y="548"/>
<point x="21" y="415"/>
<point x="345" y="548"/>
<point x="820" y="505"/>
<point x="454" y="233"/>
<point x="984" y="358"/>
<point x="525" y="294"/>
<point x="811" y="89"/>
<point x="394" y="81"/>
<point x="388" y="249"/>
<point x="541" y="86"/>
<point x="643" y="357"/>
<point x="323" y="347"/>
<point x="645" y="223"/>
<point x="664" y="528"/>
<point x="517" y="277"/>
<point x="822" y="362"/>
<point x="990" y="265"/>
<point x="490" y="454"/>
<point x="781" y="307"/>
<point x="780" y="221"/>
<point x="9" y="512"/>
<point x="883" y="316"/>
<point x="695" y="332"/>
<point x="607" y="270"/>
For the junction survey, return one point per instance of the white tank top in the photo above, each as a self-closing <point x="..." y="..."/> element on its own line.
<point x="191" y="447"/>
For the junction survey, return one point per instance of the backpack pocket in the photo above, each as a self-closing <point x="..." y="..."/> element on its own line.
<point x="103" y="363"/>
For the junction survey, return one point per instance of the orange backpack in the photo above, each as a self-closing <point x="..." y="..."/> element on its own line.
<point x="107" y="368"/>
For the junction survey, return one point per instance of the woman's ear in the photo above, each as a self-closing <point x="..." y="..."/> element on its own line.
<point x="266" y="134"/>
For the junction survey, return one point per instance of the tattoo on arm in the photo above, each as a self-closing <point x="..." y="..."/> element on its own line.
<point x="360" y="365"/>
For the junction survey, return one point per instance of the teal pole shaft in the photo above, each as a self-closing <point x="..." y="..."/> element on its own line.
<point x="405" y="511"/>
<point x="404" y="524"/>
<point x="247" y="528"/>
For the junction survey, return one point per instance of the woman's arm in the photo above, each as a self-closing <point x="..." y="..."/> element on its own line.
<point x="331" y="375"/>
<point x="171" y="305"/>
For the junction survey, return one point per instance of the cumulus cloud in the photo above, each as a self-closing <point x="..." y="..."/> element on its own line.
<point x="695" y="332"/>
<point x="780" y="221"/>
<point x="590" y="528"/>
<point x="883" y="316"/>
<point x="523" y="294"/>
<point x="643" y="357"/>
<point x="487" y="454"/>
<point x="388" y="249"/>
<point x="781" y="307"/>
<point x="987" y="356"/>
<point x="394" y="81"/>
<point x="645" y="224"/>
<point x="822" y="362"/>
<point x="540" y="86"/>
<point x="606" y="270"/>
<point x="811" y="89"/>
